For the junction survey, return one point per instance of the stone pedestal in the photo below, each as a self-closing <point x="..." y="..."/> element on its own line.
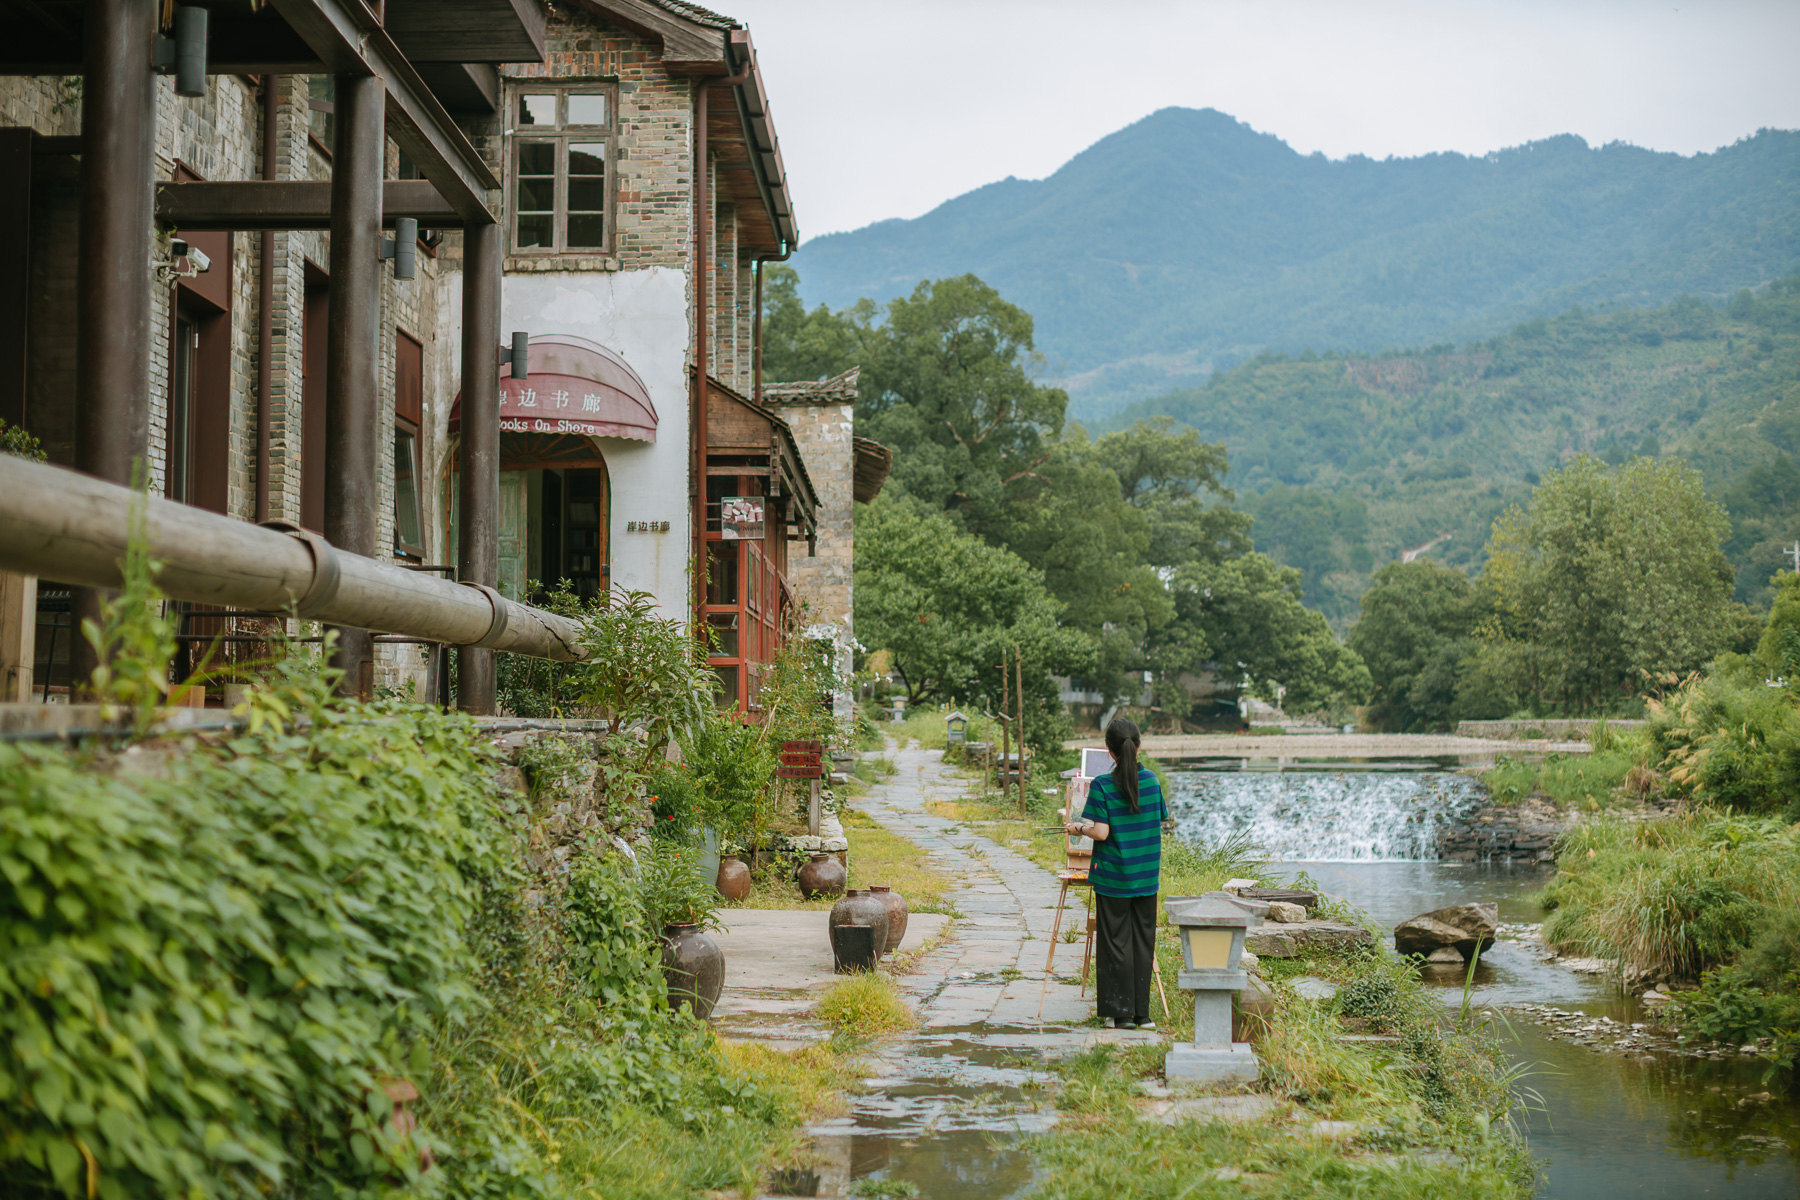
<point x="1233" y="1063"/>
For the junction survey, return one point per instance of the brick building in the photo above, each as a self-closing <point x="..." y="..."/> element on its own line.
<point x="573" y="133"/>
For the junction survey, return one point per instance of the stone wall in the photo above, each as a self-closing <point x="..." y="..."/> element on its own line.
<point x="822" y="416"/>
<point x="1522" y="832"/>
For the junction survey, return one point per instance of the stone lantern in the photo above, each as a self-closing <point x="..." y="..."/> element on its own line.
<point x="1212" y="931"/>
<point x="956" y="728"/>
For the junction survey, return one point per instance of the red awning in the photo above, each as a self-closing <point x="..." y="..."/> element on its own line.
<point x="576" y="386"/>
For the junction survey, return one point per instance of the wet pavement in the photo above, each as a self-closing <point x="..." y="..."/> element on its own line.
<point x="943" y="1104"/>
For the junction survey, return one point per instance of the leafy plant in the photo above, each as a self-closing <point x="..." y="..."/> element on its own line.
<point x="729" y="774"/>
<point x="645" y="676"/>
<point x="673" y="889"/>
<point x="18" y="441"/>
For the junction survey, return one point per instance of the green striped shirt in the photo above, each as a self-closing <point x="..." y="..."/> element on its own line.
<point x="1126" y="863"/>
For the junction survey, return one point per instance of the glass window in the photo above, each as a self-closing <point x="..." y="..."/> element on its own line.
<point x="321" y="107"/>
<point x="722" y="575"/>
<point x="724" y="627"/>
<point x="587" y="108"/>
<point x="725" y="689"/>
<point x="408" y="538"/>
<point x="561" y="192"/>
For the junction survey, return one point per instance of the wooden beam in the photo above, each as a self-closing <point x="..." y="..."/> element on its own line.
<point x="348" y="36"/>
<point x="456" y="31"/>
<point x="290" y="204"/>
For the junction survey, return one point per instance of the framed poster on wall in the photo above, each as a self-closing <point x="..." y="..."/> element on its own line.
<point x="741" y="518"/>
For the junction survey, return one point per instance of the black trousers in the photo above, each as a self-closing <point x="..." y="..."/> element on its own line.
<point x="1125" y="953"/>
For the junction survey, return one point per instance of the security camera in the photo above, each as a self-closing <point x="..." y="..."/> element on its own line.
<point x="198" y="263"/>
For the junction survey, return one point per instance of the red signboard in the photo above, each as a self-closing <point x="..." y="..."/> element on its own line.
<point x="801" y="760"/>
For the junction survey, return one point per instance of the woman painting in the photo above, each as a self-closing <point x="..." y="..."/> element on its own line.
<point x="1124" y="816"/>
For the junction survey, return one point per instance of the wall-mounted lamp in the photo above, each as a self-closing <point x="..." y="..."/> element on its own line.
<point x="184" y="55"/>
<point x="403" y="247"/>
<point x="517" y="355"/>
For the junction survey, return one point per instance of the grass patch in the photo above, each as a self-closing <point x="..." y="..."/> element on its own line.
<point x="866" y="1004"/>
<point x="1583" y="782"/>
<point x="876" y="856"/>
<point x="1443" y="1088"/>
<point x="1682" y="895"/>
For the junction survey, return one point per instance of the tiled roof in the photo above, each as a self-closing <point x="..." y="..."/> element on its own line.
<point x="698" y="15"/>
<point x="839" y="389"/>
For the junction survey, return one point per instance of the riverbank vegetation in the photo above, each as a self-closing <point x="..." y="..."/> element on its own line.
<point x="1703" y="897"/>
<point x="1426" y="1116"/>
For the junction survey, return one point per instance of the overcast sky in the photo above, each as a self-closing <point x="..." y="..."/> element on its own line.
<point x="887" y="108"/>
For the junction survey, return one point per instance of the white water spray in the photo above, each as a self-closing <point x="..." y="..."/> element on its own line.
<point x="1313" y="815"/>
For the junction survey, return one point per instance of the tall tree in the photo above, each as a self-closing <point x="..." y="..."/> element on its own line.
<point x="943" y="602"/>
<point x="1610" y="574"/>
<point x="1416" y="633"/>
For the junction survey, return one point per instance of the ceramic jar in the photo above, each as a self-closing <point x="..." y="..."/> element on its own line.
<point x="693" y="967"/>
<point x="858" y="909"/>
<point x="823" y="876"/>
<point x="897" y="914"/>
<point x="734" y="877"/>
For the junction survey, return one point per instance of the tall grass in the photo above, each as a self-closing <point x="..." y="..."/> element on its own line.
<point x="1681" y="895"/>
<point x="866" y="1004"/>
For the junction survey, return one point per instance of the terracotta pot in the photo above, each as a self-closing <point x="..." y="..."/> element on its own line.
<point x="693" y="967"/>
<point x="859" y="908"/>
<point x="734" y="877"/>
<point x="897" y="914"/>
<point x="823" y="876"/>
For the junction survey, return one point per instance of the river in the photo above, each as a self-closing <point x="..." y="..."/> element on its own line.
<point x="1656" y="1126"/>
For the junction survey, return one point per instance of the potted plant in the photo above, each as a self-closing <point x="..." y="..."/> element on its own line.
<point x="683" y="903"/>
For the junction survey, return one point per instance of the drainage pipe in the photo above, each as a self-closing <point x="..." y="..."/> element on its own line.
<point x="72" y="528"/>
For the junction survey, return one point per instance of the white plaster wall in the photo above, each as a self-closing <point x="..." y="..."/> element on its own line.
<point x="643" y="317"/>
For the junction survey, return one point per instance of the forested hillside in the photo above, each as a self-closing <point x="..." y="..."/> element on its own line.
<point x="1188" y="242"/>
<point x="1348" y="460"/>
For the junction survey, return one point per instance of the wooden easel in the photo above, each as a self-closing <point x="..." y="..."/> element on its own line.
<point x="1075" y="874"/>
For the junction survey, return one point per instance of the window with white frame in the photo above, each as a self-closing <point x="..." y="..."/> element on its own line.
<point x="562" y="169"/>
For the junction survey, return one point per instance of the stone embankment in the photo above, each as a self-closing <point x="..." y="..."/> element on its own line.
<point x="1522" y="832"/>
<point x="1575" y="730"/>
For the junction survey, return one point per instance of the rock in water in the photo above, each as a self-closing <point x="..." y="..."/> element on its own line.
<point x="1461" y="927"/>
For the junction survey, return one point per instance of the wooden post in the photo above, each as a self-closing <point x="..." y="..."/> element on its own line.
<point x="478" y="461"/>
<point x="814" y="806"/>
<point x="112" y="288"/>
<point x="1019" y="703"/>
<point x="352" y="335"/>
<point x="1005" y="750"/>
<point x="18" y="635"/>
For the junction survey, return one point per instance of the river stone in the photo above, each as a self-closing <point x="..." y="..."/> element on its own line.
<point x="1461" y="927"/>
<point x="1286" y="913"/>
<point x="1291" y="941"/>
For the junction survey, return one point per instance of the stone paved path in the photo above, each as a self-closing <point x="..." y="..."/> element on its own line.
<point x="1008" y="904"/>
<point x="944" y="1104"/>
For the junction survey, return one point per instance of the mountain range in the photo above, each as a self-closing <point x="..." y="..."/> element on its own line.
<point x="1188" y="243"/>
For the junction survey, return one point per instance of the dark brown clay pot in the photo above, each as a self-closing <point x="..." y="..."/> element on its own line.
<point x="823" y="876"/>
<point x="734" y="878"/>
<point x="897" y="914"/>
<point x="693" y="967"/>
<point x="859" y="908"/>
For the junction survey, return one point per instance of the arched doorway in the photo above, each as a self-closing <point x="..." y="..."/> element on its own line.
<point x="554" y="520"/>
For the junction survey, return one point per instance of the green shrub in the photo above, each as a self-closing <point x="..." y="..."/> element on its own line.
<point x="1510" y="781"/>
<point x="731" y="769"/>
<point x="1730" y="741"/>
<point x="213" y="953"/>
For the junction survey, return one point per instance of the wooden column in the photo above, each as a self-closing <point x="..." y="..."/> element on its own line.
<point x="112" y="297"/>
<point x="18" y="635"/>
<point x="351" y="338"/>
<point x="478" y="457"/>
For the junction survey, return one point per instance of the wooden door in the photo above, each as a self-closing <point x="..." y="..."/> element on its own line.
<point x="511" y="525"/>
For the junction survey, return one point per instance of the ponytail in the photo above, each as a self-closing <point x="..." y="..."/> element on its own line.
<point x="1122" y="739"/>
